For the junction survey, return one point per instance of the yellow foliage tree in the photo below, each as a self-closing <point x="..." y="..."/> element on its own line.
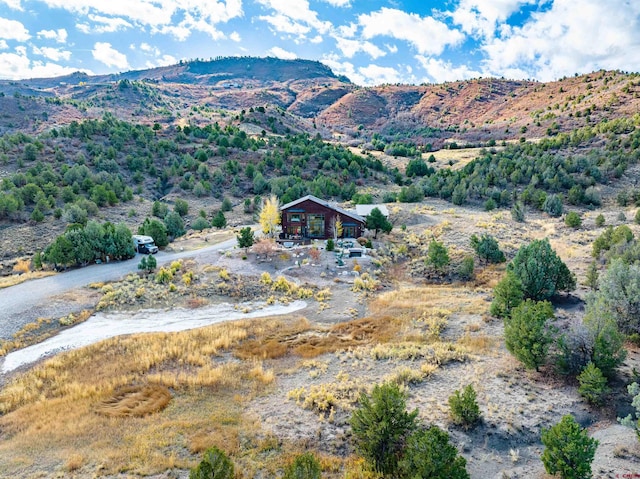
<point x="270" y="216"/>
<point x="337" y="227"/>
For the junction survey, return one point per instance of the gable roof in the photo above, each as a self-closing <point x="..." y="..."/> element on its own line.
<point x="324" y="203"/>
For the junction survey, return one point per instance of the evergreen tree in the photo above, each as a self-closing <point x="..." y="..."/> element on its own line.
<point x="437" y="255"/>
<point x="506" y="295"/>
<point x="487" y="248"/>
<point x="219" y="221"/>
<point x="156" y="229"/>
<point x="174" y="224"/>
<point x="376" y="222"/>
<point x="429" y="454"/>
<point x="214" y="465"/>
<point x="381" y="425"/>
<point x="245" y="238"/>
<point x="304" y="466"/>
<point x="526" y="332"/>
<point x="569" y="451"/>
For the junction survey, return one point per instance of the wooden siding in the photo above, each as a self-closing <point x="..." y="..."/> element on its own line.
<point x="307" y="208"/>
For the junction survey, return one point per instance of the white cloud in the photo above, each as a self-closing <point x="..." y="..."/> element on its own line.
<point x="105" y="53"/>
<point x="60" y="35"/>
<point x="13" y="30"/>
<point x="440" y="71"/>
<point x="293" y="17"/>
<point x="3" y="45"/>
<point x="199" y="15"/>
<point x="14" y="4"/>
<point x="338" y="3"/>
<point x="426" y="34"/>
<point x="350" y="47"/>
<point x="391" y="48"/>
<point x="480" y="17"/>
<point x="235" y="36"/>
<point x="316" y="39"/>
<point x="16" y="66"/>
<point x="281" y="53"/>
<point x="571" y="37"/>
<point x="55" y="54"/>
<point x="367" y="76"/>
<point x="107" y="24"/>
<point x="145" y="47"/>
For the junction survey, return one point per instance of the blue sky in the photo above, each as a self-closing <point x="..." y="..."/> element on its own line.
<point x="370" y="41"/>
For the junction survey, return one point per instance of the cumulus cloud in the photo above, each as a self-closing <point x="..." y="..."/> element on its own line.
<point x="15" y="4"/>
<point x="235" y="36"/>
<point x="15" y="66"/>
<point x="105" y="53"/>
<point x="3" y="45"/>
<point x="281" y="53"/>
<point x="367" y="75"/>
<point x="159" y="15"/>
<point x="103" y="24"/>
<point x="55" y="54"/>
<point x="13" y="30"/>
<point x="338" y="3"/>
<point x="294" y="18"/>
<point x="480" y="17"/>
<point x="60" y="35"/>
<point x="377" y="75"/>
<point x="350" y="47"/>
<point x="426" y="34"/>
<point x="571" y="37"/>
<point x="440" y="70"/>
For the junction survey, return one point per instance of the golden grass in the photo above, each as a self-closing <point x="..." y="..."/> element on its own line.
<point x="135" y="401"/>
<point x="14" y="279"/>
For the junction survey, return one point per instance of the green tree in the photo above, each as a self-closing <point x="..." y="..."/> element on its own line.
<point x="219" y="221"/>
<point x="156" y="229"/>
<point x="159" y="210"/>
<point x="174" y="224"/>
<point x="540" y="270"/>
<point x="569" y="451"/>
<point x="245" y="238"/>
<point x="60" y="252"/>
<point x="226" y="205"/>
<point x="517" y="212"/>
<point x="429" y="454"/>
<point x="526" y="332"/>
<point x="304" y="466"/>
<point x="381" y="425"/>
<point x="465" y="270"/>
<point x="200" y="223"/>
<point x="376" y="222"/>
<point x="37" y="216"/>
<point x="592" y="276"/>
<point x="600" y="220"/>
<point x="553" y="205"/>
<point x="487" y="248"/>
<point x="506" y="295"/>
<point x="181" y="207"/>
<point x="463" y="407"/>
<point x="593" y="384"/>
<point x="214" y="465"/>
<point x="148" y="264"/>
<point x="619" y="294"/>
<point x="437" y="255"/>
<point x="573" y="220"/>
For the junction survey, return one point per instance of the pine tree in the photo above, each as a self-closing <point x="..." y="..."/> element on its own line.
<point x="526" y="334"/>
<point x="569" y="451"/>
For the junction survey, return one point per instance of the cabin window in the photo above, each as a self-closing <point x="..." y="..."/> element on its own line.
<point x="316" y="226"/>
<point x="295" y="218"/>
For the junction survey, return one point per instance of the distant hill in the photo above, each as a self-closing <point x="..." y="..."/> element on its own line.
<point x="317" y="100"/>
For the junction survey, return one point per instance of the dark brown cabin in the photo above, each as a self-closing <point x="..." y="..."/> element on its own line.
<point x="312" y="218"/>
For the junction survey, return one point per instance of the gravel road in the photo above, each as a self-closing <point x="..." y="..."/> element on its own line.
<point x="25" y="302"/>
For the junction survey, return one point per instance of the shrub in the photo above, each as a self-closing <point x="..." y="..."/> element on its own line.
<point x="430" y="454"/>
<point x="156" y="229"/>
<point x="619" y="295"/>
<point x="437" y="255"/>
<point x="506" y="295"/>
<point x="517" y="212"/>
<point x="540" y="270"/>
<point x="148" y="264"/>
<point x="490" y="205"/>
<point x="181" y="207"/>
<point x="304" y="466"/>
<point x="200" y="224"/>
<point x="380" y="426"/>
<point x="526" y="334"/>
<point x="164" y="275"/>
<point x="330" y="244"/>
<point x="592" y="276"/>
<point x="553" y="206"/>
<point x="636" y="218"/>
<point x="174" y="224"/>
<point x="214" y="465"/>
<point x="465" y="271"/>
<point x="245" y="237"/>
<point x="629" y="421"/>
<point x="569" y="451"/>
<point x="487" y="248"/>
<point x="593" y="384"/>
<point x="463" y="407"/>
<point x="573" y="220"/>
<point x="159" y="210"/>
<point x="621" y="217"/>
<point x="219" y="221"/>
<point x="600" y="220"/>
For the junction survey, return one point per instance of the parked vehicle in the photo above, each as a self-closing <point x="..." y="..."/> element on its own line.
<point x="144" y="244"/>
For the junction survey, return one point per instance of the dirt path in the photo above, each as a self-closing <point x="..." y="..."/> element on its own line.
<point x="24" y="303"/>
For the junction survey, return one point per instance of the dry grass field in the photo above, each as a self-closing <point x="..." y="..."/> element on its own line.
<point x="266" y="389"/>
